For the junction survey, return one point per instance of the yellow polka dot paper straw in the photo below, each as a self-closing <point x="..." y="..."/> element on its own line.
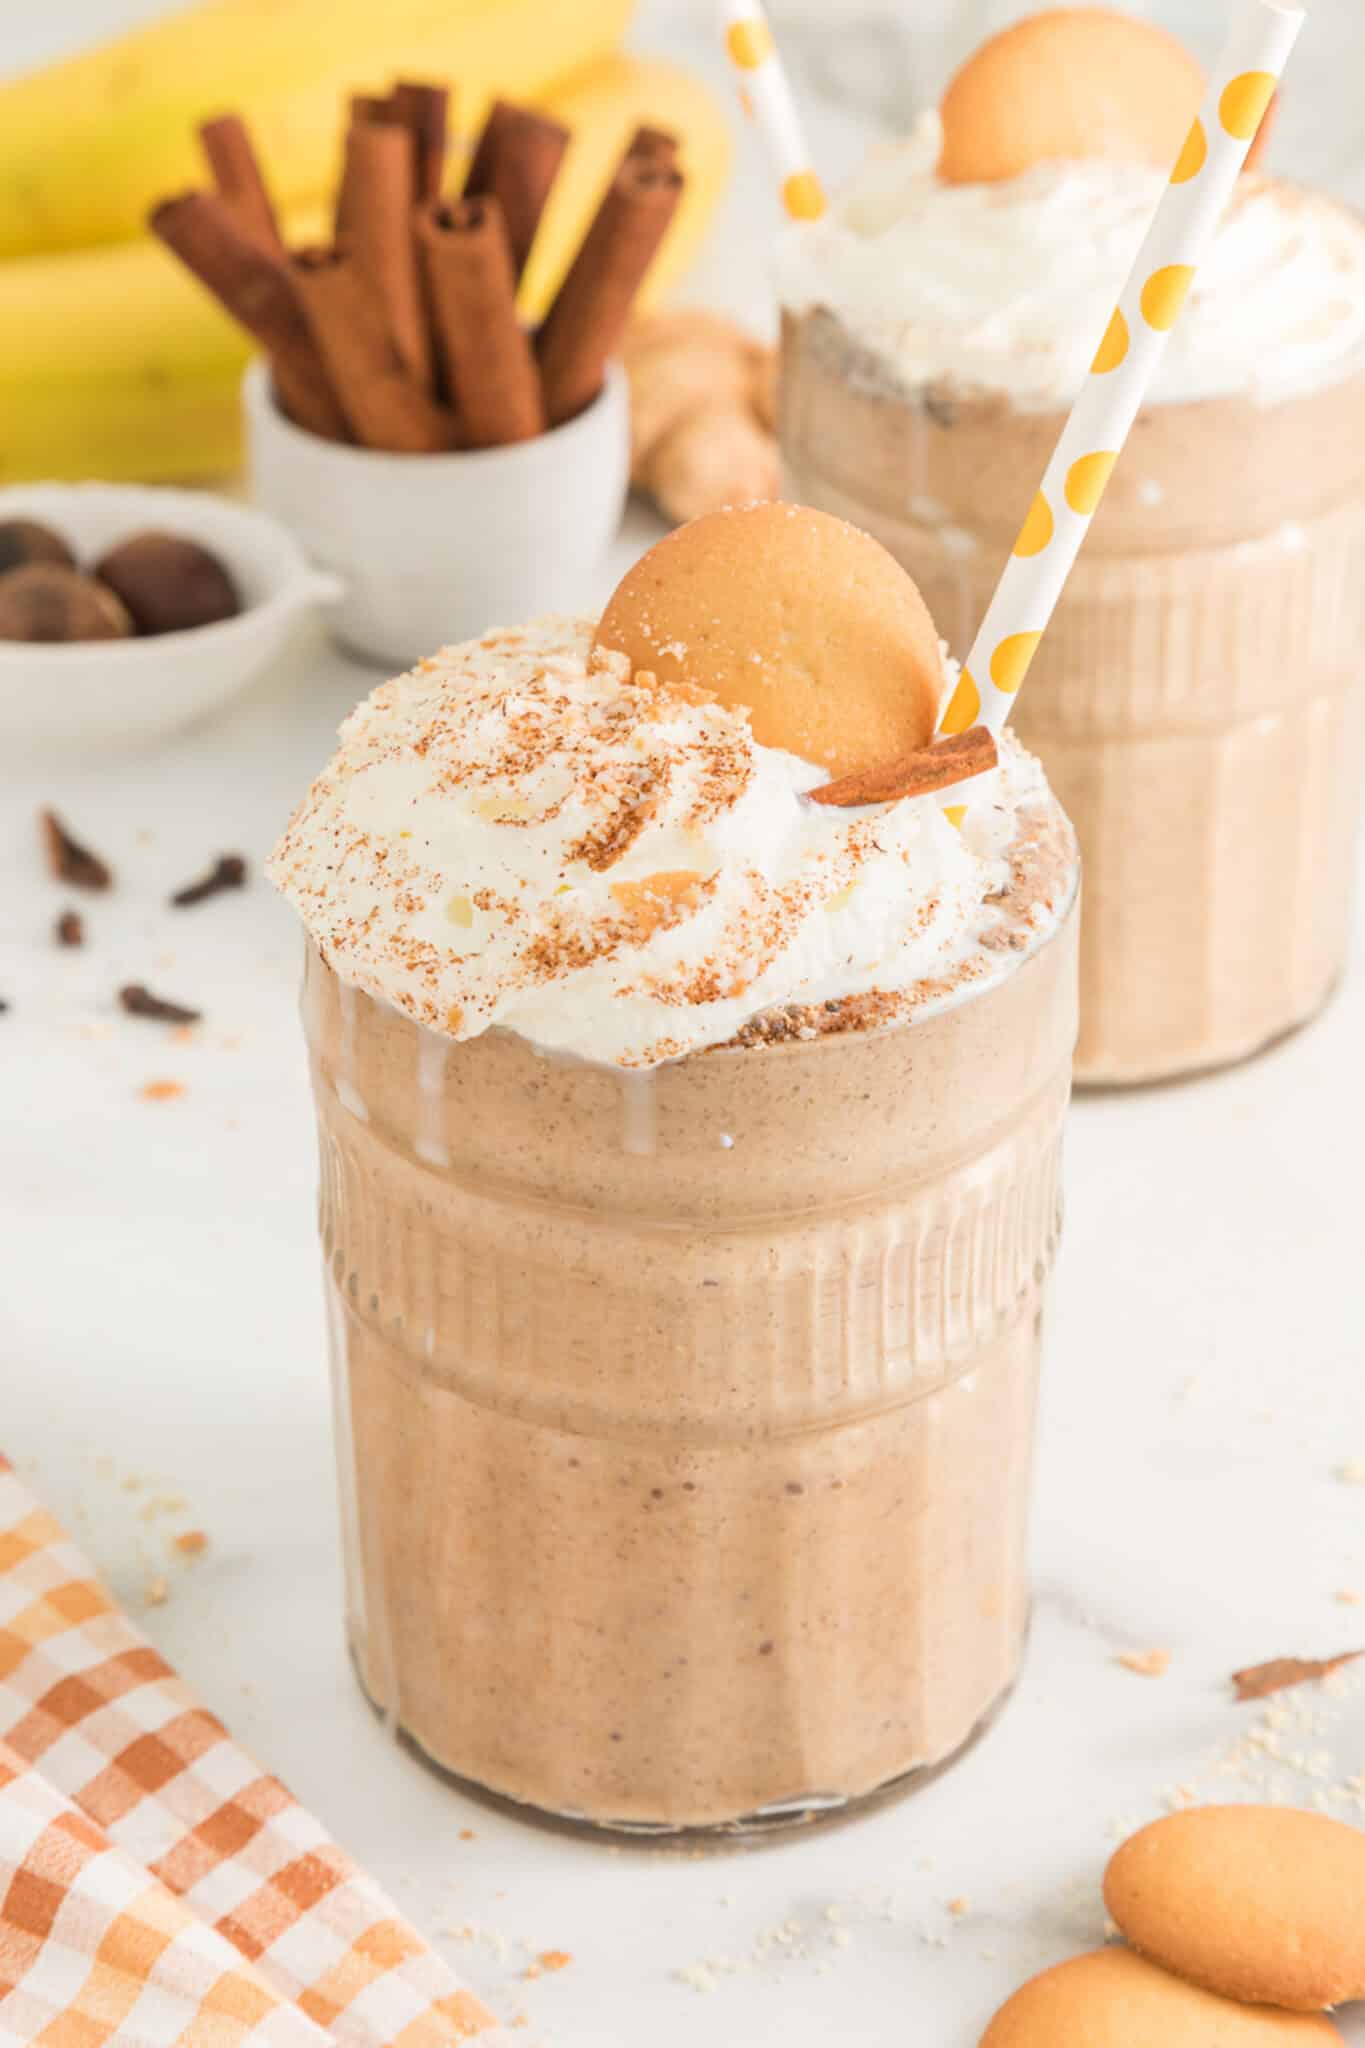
<point x="766" y="96"/>
<point x="1262" y="35"/>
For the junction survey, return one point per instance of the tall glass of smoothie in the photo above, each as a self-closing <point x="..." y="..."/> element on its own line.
<point x="689" y="1165"/>
<point x="1198" y="703"/>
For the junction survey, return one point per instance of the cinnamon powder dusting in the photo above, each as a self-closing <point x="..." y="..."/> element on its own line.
<point x="509" y="834"/>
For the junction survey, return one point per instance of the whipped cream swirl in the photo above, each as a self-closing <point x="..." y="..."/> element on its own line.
<point x="1008" y="287"/>
<point x="507" y="836"/>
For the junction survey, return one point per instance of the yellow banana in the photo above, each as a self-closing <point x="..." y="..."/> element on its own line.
<point x="114" y="362"/>
<point x="88" y="144"/>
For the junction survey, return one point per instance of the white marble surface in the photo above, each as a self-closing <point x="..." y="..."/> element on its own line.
<point x="160" y="1321"/>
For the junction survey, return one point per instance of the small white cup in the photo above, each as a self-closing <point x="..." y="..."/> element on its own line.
<point x="436" y="548"/>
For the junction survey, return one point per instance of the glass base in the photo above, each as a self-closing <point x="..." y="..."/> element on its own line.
<point x="1185" y="1070"/>
<point x="752" y="1830"/>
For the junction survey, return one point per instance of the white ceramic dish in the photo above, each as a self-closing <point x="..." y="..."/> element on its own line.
<point x="437" y="548"/>
<point x="92" y="694"/>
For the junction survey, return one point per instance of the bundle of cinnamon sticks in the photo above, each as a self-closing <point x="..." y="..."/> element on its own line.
<point x="403" y="332"/>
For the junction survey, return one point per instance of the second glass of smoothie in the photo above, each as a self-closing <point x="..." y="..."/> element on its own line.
<point x="1198" y="702"/>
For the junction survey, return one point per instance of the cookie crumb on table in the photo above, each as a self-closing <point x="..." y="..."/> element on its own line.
<point x="1146" y="1663"/>
<point x="160" y="1091"/>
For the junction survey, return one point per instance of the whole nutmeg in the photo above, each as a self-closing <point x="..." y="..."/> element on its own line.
<point x="168" y="584"/>
<point x="25" y="540"/>
<point x="46" y="601"/>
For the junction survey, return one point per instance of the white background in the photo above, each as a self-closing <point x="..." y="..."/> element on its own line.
<point x="160" y="1321"/>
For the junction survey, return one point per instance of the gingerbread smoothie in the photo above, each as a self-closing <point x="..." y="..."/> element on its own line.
<point x="1197" y="703"/>
<point x="685" y="1267"/>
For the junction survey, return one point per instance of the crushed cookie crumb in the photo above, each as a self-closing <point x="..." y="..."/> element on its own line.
<point x="1146" y="1663"/>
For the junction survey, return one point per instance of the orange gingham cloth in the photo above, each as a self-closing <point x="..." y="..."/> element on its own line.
<point x="93" y="1949"/>
<point x="88" y="1706"/>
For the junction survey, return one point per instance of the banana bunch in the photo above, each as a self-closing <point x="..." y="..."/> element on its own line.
<point x="113" y="361"/>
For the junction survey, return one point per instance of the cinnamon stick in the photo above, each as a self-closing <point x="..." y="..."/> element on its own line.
<point x="936" y="767"/>
<point x="386" y="407"/>
<point x="489" y="364"/>
<point x="424" y="110"/>
<point x="371" y="106"/>
<point x="256" y="288"/>
<point x="365" y="107"/>
<point x="588" y="317"/>
<point x="380" y="184"/>
<point x="239" y="179"/>
<point x="659" y="145"/>
<point x="516" y="160"/>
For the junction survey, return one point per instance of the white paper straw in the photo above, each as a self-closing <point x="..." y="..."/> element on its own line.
<point x="766" y="96"/>
<point x="1183" y="227"/>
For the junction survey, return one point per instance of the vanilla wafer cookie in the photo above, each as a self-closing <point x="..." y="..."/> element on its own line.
<point x="1262" y="1903"/>
<point x="797" y="618"/>
<point x="1113" y="1999"/>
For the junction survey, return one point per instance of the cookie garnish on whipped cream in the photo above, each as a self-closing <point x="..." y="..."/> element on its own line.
<point x="1003" y="287"/>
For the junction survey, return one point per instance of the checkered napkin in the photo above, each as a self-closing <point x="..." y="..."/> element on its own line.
<point x="93" y="1719"/>
<point x="93" y="1949"/>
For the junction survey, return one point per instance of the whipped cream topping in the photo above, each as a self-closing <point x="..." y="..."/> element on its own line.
<point x="1008" y="287"/>
<point x="508" y="837"/>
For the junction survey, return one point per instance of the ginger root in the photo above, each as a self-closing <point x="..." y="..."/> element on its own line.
<point x="702" y="413"/>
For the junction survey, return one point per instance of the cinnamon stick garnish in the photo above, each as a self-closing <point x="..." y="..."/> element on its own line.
<point x="936" y="767"/>
<point x="1259" y="1681"/>
<point x="386" y="407"/>
<point x="516" y="161"/>
<point x="424" y="110"/>
<point x="68" y="859"/>
<point x="489" y="364"/>
<point x="590" y="310"/>
<point x="380" y="182"/>
<point x="256" y="288"/>
<point x="239" y="178"/>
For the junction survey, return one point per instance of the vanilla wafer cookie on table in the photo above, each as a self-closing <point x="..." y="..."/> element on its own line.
<point x="1113" y="1999"/>
<point x="93" y="1948"/>
<point x="89" y="1704"/>
<point x="1263" y="1903"/>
